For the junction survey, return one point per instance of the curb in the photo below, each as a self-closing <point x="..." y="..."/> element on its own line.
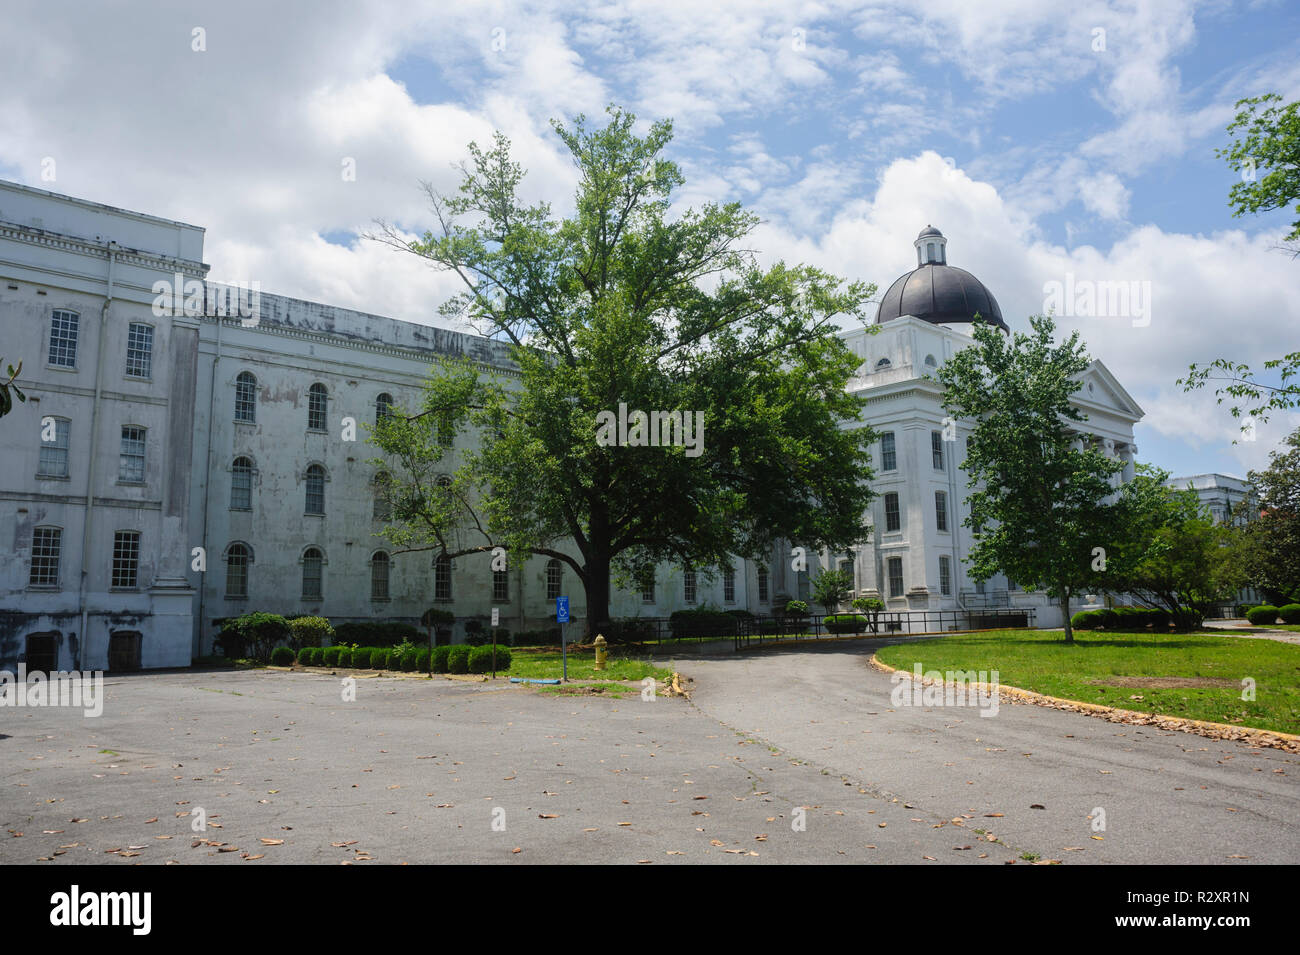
<point x="1275" y="739"/>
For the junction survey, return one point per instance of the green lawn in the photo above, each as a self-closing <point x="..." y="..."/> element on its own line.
<point x="1039" y="660"/>
<point x="546" y="665"/>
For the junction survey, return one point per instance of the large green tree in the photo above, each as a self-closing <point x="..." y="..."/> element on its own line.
<point x="627" y="303"/>
<point x="1272" y="550"/>
<point x="1173" y="556"/>
<point x="1041" y="505"/>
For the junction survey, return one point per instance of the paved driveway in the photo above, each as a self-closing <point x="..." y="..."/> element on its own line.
<point x="780" y="757"/>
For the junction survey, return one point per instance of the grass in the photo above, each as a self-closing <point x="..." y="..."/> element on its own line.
<point x="1039" y="660"/>
<point x="547" y="665"/>
<point x="615" y="690"/>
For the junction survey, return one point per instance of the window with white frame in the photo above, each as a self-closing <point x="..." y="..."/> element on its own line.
<point x="500" y="586"/>
<point x="315" y="481"/>
<point x="139" y="350"/>
<point x="689" y="583"/>
<point x="888" y="452"/>
<point x="383" y="407"/>
<point x="317" y="400"/>
<point x="126" y="558"/>
<point x="893" y="515"/>
<point x="945" y="576"/>
<point x="936" y="449"/>
<point x="241" y="485"/>
<point x="442" y="579"/>
<point x="53" y="460"/>
<point x="238" y="557"/>
<point x="895" y="576"/>
<point x="554" y="578"/>
<point x="312" y="571"/>
<point x="729" y="586"/>
<point x="130" y="468"/>
<point x="763" y="584"/>
<point x="246" y="397"/>
<point x="648" y="590"/>
<point x="47" y="549"/>
<point x="379" y="567"/>
<point x="941" y="510"/>
<point x="65" y="326"/>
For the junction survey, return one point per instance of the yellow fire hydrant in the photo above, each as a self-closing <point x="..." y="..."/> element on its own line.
<point x="600" y="651"/>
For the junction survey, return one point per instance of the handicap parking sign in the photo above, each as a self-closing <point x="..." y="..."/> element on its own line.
<point x="561" y="609"/>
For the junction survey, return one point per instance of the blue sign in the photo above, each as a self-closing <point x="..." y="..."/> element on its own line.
<point x="561" y="609"/>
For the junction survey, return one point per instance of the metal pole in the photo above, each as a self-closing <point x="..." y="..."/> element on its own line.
<point x="564" y="652"/>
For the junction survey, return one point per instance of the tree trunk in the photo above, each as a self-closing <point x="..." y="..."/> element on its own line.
<point x="597" y="591"/>
<point x="1065" y="615"/>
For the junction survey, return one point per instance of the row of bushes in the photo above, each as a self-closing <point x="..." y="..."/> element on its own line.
<point x="461" y="658"/>
<point x="846" y="623"/>
<point x="1266" y="614"/>
<point x="1133" y="619"/>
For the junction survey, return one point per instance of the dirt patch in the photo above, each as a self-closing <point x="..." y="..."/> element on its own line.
<point x="1166" y="682"/>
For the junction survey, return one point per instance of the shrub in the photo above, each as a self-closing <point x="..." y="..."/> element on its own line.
<point x="345" y="657"/>
<point x="624" y="630"/>
<point x="474" y="635"/>
<point x="421" y="664"/>
<point x="700" y="622"/>
<point x="458" y="658"/>
<point x="407" y="659"/>
<point x="845" y="623"/>
<point x="1290" y="613"/>
<point x="440" y="655"/>
<point x="377" y="633"/>
<point x="379" y="658"/>
<point x="361" y="658"/>
<point x="1086" y="620"/>
<point x="330" y="656"/>
<point x="796" y="608"/>
<point x="309" y="656"/>
<point x="391" y="659"/>
<point x="282" y="657"/>
<point x="309" y="632"/>
<point x="1262" y="616"/>
<point x="252" y="635"/>
<point x="480" y="659"/>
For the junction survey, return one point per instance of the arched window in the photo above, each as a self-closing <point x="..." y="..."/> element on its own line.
<point x="554" y="578"/>
<point x="312" y="563"/>
<point x="442" y="579"/>
<point x="379" y="565"/>
<point x="883" y="363"/>
<point x="383" y="509"/>
<point x="315" y="479"/>
<point x="246" y="397"/>
<point x="316" y="402"/>
<point x="238" y="557"/>
<point x="383" y="407"/>
<point x="241" y="485"/>
<point x="689" y="585"/>
<point x="930" y="362"/>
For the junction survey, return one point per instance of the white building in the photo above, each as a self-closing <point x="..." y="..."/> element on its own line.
<point x="95" y="466"/>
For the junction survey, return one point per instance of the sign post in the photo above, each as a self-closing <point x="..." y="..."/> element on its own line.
<point x="562" y="618"/>
<point x="496" y="618"/>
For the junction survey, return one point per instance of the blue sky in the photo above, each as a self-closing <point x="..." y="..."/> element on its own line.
<point x="847" y="126"/>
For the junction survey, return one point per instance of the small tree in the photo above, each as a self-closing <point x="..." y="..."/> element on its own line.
<point x="1271" y="553"/>
<point x="871" y="606"/>
<point x="830" y="588"/>
<point x="309" y="632"/>
<point x="1040" y="504"/>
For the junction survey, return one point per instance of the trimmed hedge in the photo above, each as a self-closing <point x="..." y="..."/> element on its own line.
<point x="252" y="635"/>
<point x="458" y="658"/>
<point x="282" y="657"/>
<point x="310" y="656"/>
<point x="1264" y="615"/>
<point x="1290" y="613"/>
<point x="330" y="656"/>
<point x="847" y="623"/>
<point x="701" y="622"/>
<point x="345" y="657"/>
<point x="1086" y="620"/>
<point x="310" y="631"/>
<point x="378" y="658"/>
<point x="440" y="659"/>
<point x="480" y="659"/>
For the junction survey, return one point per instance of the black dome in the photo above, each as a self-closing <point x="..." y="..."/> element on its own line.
<point x="940" y="294"/>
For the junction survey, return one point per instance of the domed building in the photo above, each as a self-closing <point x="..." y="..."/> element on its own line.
<point x="917" y="556"/>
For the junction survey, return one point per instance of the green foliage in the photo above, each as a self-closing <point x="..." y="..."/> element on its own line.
<point x="701" y="622"/>
<point x="9" y="391"/>
<point x="1270" y="141"/>
<point x="1271" y="552"/>
<point x="830" y="587"/>
<point x="345" y="657"/>
<point x="421" y="658"/>
<point x="629" y="300"/>
<point x="330" y="656"/>
<point x="309" y="632"/>
<point x="252" y="635"/>
<point x="440" y="659"/>
<point x="310" y="656"/>
<point x="1086" y="620"/>
<point x="846" y="623"/>
<point x="1290" y="613"/>
<point x="282" y="657"/>
<point x="379" y="658"/>
<point x="1038" y="503"/>
<point x="1264" y="615"/>
<point x="458" y="658"/>
<point x="480" y="659"/>
<point x="796" y="608"/>
<point x="378" y="634"/>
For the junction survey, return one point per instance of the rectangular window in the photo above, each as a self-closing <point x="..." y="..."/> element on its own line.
<point x="554" y="578"/>
<point x="893" y="517"/>
<point x="688" y="586"/>
<point x="64" y="327"/>
<point x="729" y="586"/>
<point x="941" y="510"/>
<point x="762" y="585"/>
<point x="936" y="450"/>
<point x="131" y="467"/>
<point x="379" y="577"/>
<point x="648" y="592"/>
<point x="888" y="454"/>
<point x="54" y="454"/>
<point x="139" y="350"/>
<point x="126" y="558"/>
<point x="442" y="580"/>
<point x="895" y="576"/>
<point x="47" y="545"/>
<point x="945" y="576"/>
<point x="500" y="586"/>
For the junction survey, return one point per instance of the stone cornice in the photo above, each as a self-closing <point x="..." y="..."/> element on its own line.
<point x="67" y="243"/>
